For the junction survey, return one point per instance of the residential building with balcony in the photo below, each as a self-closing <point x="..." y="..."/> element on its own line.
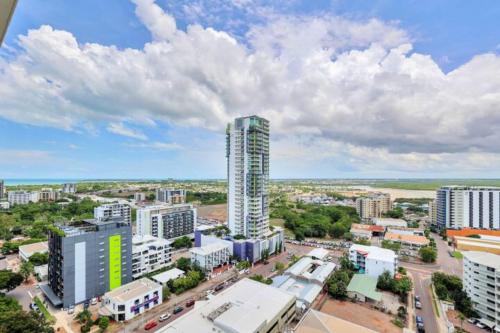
<point x="481" y="280"/>
<point x="21" y="197"/>
<point x="247" y="153"/>
<point x="149" y="254"/>
<point x="107" y="211"/>
<point x="48" y="194"/>
<point x="372" y="260"/>
<point x="171" y="196"/>
<point x="373" y="205"/>
<point x="166" y="221"/>
<point x="69" y="188"/>
<point x="211" y="256"/>
<point x="468" y="207"/>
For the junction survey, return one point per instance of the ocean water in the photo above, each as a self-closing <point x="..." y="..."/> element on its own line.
<point x="53" y="181"/>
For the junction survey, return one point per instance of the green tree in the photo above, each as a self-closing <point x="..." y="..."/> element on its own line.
<point x="279" y="266"/>
<point x="428" y="254"/>
<point x="338" y="289"/>
<point x="184" y="264"/>
<point x="19" y="321"/>
<point x="103" y="323"/>
<point x="26" y="270"/>
<point x="385" y="281"/>
<point x="38" y="259"/>
<point x="403" y="286"/>
<point x="9" y="280"/>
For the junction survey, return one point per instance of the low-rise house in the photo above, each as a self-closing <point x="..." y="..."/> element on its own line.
<point x="365" y="231"/>
<point x="405" y="231"/>
<point x="389" y="222"/>
<point x="4" y="205"/>
<point x="131" y="299"/>
<point x="149" y="254"/>
<point x="363" y="288"/>
<point x="171" y="274"/>
<point x="26" y="251"/>
<point x="411" y="243"/>
<point x="372" y="260"/>
<point x="210" y="256"/>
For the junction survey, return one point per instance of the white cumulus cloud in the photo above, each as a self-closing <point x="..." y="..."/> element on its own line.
<point x="328" y="78"/>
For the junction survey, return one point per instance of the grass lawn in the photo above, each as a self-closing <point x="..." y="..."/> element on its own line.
<point x="458" y="255"/>
<point x="44" y="310"/>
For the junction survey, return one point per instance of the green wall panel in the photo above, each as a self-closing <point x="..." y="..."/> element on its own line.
<point x="115" y="261"/>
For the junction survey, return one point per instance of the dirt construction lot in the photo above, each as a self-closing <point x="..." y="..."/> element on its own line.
<point x="361" y="315"/>
<point x="216" y="212"/>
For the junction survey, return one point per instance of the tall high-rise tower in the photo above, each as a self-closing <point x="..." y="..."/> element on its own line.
<point x="247" y="152"/>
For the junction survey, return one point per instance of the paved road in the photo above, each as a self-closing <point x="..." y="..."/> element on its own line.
<point x="422" y="282"/>
<point x="422" y="274"/>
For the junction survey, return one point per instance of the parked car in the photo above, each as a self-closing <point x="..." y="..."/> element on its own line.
<point x="480" y="325"/>
<point x="472" y="321"/>
<point x="93" y="301"/>
<point x="178" y="309"/>
<point x="2" y="256"/>
<point x="165" y="316"/>
<point x="190" y="303"/>
<point x="150" y="325"/>
<point x="71" y="309"/>
<point x="420" y="324"/>
<point x="219" y="287"/>
<point x="418" y="305"/>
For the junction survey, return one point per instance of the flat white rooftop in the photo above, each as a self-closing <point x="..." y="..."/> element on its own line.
<point x="318" y="253"/>
<point x="374" y="252"/>
<point x="171" y="274"/>
<point x="244" y="307"/>
<point x="132" y="290"/>
<point x="30" y="249"/>
<point x="386" y="222"/>
<point x="483" y="258"/>
<point x="209" y="248"/>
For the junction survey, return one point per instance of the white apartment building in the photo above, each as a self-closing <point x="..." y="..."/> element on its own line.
<point x="210" y="256"/>
<point x="468" y="207"/>
<point x="433" y="212"/>
<point x="21" y="197"/>
<point x="247" y="152"/>
<point x="481" y="280"/>
<point x="171" y="196"/>
<point x="246" y="306"/>
<point x="166" y="221"/>
<point x="373" y="260"/>
<point x="131" y="299"/>
<point x="48" y="194"/>
<point x="139" y="196"/>
<point x="107" y="211"/>
<point x="149" y="254"/>
<point x="69" y="188"/>
<point x="374" y="205"/>
<point x="4" y="205"/>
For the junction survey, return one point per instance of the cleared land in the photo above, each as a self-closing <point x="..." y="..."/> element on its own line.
<point x="216" y="212"/>
<point x="361" y="315"/>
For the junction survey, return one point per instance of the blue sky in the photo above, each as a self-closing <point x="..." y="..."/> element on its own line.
<point x="73" y="126"/>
